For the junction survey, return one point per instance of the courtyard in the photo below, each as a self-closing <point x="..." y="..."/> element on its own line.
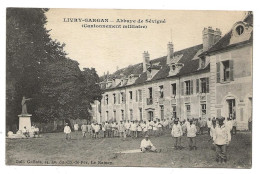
<point x="54" y="149"/>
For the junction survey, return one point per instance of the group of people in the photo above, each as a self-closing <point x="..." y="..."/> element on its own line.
<point x="123" y="129"/>
<point x="219" y="129"/>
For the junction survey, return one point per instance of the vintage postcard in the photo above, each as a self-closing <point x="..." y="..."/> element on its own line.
<point x="126" y="88"/>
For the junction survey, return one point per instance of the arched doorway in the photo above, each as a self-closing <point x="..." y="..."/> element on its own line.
<point x="230" y="107"/>
<point x="150" y="115"/>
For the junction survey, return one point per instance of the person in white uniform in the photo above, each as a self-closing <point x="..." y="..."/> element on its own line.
<point x="221" y="138"/>
<point x="147" y="146"/>
<point x="191" y="135"/>
<point x="67" y="131"/>
<point x="176" y="134"/>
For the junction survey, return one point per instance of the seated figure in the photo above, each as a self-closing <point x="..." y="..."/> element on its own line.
<point x="147" y="146"/>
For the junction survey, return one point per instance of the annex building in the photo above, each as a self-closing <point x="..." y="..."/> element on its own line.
<point x="207" y="80"/>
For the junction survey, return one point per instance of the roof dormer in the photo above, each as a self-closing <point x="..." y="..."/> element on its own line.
<point x="240" y="32"/>
<point x="175" y="68"/>
<point x="152" y="70"/>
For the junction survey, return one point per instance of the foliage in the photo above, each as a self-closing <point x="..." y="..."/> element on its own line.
<point x="38" y="68"/>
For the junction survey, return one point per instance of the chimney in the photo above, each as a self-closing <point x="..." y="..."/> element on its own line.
<point x="146" y="60"/>
<point x="169" y="52"/>
<point x="210" y="37"/>
<point x="217" y="35"/>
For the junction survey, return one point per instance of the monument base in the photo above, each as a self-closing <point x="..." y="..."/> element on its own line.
<point x="25" y="120"/>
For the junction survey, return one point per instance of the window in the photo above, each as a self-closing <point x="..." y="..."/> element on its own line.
<point x="106" y="99"/>
<point x="188" y="87"/>
<point x="123" y="97"/>
<point x="162" y="111"/>
<point x="114" y="118"/>
<point x="107" y="116"/>
<point x="188" y="113"/>
<point x="202" y="62"/>
<point x="130" y="95"/>
<point x="174" y="89"/>
<point x="141" y="113"/>
<point x="150" y="115"/>
<point x="203" y="110"/>
<point x="150" y="99"/>
<point x="240" y="29"/>
<point x="225" y="71"/>
<point x="174" y="112"/>
<point x="114" y="96"/>
<point x="161" y="91"/>
<point x="140" y="95"/>
<point x="131" y="114"/>
<point x="99" y="108"/>
<point x="122" y="115"/>
<point x="173" y="67"/>
<point x="150" y="92"/>
<point x="202" y="85"/>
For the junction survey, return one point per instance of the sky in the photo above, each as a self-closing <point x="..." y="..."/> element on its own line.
<point x="107" y="49"/>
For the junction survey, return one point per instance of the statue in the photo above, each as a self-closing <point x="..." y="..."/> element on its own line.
<point x="24" y="107"/>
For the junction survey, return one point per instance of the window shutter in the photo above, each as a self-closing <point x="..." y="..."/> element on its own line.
<point x="231" y="66"/>
<point x="197" y="85"/>
<point x="207" y="85"/>
<point x="191" y="87"/>
<point x="136" y="95"/>
<point x="218" y="72"/>
<point x="182" y="88"/>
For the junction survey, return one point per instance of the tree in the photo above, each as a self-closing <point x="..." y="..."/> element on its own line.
<point x="25" y="43"/>
<point x="38" y="67"/>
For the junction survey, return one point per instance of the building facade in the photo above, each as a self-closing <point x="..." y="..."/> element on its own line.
<point x="207" y="80"/>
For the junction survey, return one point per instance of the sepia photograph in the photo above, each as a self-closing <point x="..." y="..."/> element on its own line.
<point x="129" y="88"/>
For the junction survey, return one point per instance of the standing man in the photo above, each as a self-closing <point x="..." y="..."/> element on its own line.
<point x="109" y="130"/>
<point x="200" y="125"/>
<point x="84" y="130"/>
<point x="121" y="129"/>
<point x="176" y="134"/>
<point x="191" y="134"/>
<point x="221" y="138"/>
<point x="127" y="128"/>
<point x="209" y="124"/>
<point x="67" y="131"/>
<point x="76" y="128"/>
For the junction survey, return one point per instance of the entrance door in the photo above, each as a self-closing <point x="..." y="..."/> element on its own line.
<point x="150" y="115"/>
<point x="231" y="108"/>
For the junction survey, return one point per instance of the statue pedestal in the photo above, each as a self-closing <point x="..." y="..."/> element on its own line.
<point x="25" y="120"/>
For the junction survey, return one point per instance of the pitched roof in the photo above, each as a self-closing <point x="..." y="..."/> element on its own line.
<point x="190" y="66"/>
<point x="224" y="42"/>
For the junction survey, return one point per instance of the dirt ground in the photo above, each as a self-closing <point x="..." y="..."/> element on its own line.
<point x="54" y="149"/>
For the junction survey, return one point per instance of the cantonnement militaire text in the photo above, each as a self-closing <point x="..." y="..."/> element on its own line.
<point x="118" y="23"/>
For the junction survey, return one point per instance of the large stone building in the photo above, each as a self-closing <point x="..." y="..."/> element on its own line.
<point x="206" y="80"/>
